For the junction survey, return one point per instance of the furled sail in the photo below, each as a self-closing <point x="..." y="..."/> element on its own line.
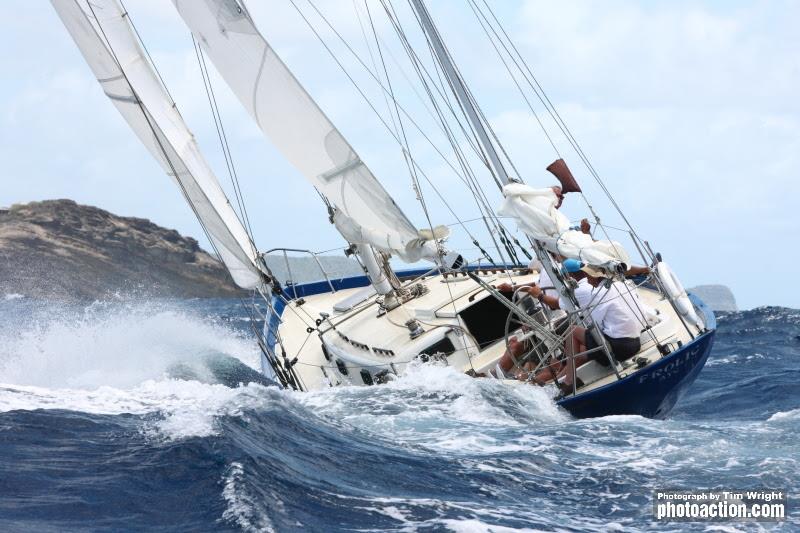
<point x="106" y="40"/>
<point x="536" y="214"/>
<point x="289" y="117"/>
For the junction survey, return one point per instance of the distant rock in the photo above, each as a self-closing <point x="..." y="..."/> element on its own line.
<point x="60" y="249"/>
<point x="717" y="297"/>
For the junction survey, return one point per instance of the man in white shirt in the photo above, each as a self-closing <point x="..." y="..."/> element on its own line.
<point x="619" y="317"/>
<point x="615" y="311"/>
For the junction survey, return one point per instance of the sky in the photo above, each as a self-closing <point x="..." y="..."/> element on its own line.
<point x="688" y="110"/>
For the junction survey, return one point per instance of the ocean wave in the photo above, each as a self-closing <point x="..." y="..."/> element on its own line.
<point x="127" y="444"/>
<point x="112" y="345"/>
<point x="438" y="407"/>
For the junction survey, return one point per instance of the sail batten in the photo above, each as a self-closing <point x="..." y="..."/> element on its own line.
<point x="108" y="44"/>
<point x="295" y="124"/>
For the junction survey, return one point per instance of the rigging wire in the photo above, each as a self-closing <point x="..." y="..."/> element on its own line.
<point x="533" y="82"/>
<point x="550" y="108"/>
<point x="223" y="139"/>
<point x="372" y="106"/>
<point x="469" y="178"/>
<point x="371" y="55"/>
<point x="407" y="148"/>
<point x="125" y="14"/>
<point x="481" y="18"/>
<point x="215" y="113"/>
<point x="478" y="190"/>
<point x="375" y="78"/>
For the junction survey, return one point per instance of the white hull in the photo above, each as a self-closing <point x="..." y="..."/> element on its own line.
<point x="460" y="319"/>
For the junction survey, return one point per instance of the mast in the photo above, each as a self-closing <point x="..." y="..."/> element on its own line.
<point x="460" y="90"/>
<point x="469" y="107"/>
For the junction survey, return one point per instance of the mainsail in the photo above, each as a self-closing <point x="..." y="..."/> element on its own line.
<point x="106" y="40"/>
<point x="289" y="117"/>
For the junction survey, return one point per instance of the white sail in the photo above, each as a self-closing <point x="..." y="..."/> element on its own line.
<point x="106" y="40"/>
<point x="289" y="117"/>
<point x="536" y="214"/>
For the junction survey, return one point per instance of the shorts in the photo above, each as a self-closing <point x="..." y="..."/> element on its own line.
<point x="623" y="349"/>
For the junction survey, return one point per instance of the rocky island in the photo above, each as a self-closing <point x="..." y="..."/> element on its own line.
<point x="717" y="297"/>
<point x="62" y="250"/>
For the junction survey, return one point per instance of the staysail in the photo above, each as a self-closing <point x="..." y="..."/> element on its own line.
<point x="106" y="40"/>
<point x="292" y="121"/>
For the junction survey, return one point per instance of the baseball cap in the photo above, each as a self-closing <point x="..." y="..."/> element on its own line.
<point x="572" y="265"/>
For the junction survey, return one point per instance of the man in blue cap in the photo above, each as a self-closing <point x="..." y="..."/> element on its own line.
<point x="619" y="317"/>
<point x="583" y="291"/>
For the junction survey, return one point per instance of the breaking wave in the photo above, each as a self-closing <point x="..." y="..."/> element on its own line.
<point x="133" y="443"/>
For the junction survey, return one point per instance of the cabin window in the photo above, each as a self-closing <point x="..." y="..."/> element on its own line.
<point x="444" y="346"/>
<point x="486" y="321"/>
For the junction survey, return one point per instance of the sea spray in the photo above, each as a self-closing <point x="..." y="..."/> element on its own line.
<point x="119" y="344"/>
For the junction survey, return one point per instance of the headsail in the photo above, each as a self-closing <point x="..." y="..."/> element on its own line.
<point x="105" y="39"/>
<point x="289" y="117"/>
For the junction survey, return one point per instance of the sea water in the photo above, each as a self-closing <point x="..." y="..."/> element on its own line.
<point x="98" y="432"/>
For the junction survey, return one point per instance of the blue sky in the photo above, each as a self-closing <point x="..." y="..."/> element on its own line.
<point x="688" y="110"/>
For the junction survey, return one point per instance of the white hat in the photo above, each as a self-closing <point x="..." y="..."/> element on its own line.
<point x="594" y="272"/>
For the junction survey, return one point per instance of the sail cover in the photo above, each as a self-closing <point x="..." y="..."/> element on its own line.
<point x="289" y="117"/>
<point x="105" y="39"/>
<point x="536" y="214"/>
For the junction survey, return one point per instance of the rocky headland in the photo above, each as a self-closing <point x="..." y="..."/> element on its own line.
<point x="62" y="250"/>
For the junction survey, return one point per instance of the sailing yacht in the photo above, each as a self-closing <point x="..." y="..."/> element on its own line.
<point x="366" y="330"/>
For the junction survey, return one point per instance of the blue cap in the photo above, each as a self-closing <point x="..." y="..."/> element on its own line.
<point x="572" y="265"/>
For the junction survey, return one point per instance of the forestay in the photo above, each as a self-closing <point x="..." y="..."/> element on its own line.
<point x="536" y="214"/>
<point x="106" y="40"/>
<point x="289" y="117"/>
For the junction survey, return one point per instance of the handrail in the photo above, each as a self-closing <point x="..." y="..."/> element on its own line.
<point x="314" y="255"/>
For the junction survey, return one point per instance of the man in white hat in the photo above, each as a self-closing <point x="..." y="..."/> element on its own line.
<point x="615" y="310"/>
<point x="620" y="319"/>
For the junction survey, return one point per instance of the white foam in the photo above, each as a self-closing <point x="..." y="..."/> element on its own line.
<point x="188" y="408"/>
<point x="794" y="414"/>
<point x="241" y="508"/>
<point x="476" y="526"/>
<point x="13" y="296"/>
<point x="726" y="528"/>
<point x="120" y="347"/>
<point x="114" y="360"/>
